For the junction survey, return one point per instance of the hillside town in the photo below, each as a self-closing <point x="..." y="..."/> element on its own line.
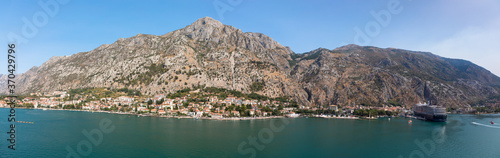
<point x="193" y="104"/>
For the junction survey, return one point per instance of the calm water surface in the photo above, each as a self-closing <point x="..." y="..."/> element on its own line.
<point x="55" y="131"/>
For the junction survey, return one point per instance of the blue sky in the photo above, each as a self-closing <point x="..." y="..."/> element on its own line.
<point x="449" y="28"/>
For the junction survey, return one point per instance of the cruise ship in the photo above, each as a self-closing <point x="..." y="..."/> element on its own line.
<point x="430" y="112"/>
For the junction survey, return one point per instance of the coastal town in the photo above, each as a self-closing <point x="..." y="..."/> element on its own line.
<point x="207" y="103"/>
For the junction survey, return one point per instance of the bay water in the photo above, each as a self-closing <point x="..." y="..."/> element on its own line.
<point x="61" y="133"/>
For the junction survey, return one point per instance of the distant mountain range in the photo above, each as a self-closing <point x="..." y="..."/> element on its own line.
<point x="208" y="53"/>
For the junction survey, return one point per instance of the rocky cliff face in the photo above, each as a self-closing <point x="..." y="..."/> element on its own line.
<point x="372" y="76"/>
<point x="203" y="53"/>
<point x="208" y="53"/>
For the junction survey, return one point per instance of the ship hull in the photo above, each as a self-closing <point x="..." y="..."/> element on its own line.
<point x="431" y="117"/>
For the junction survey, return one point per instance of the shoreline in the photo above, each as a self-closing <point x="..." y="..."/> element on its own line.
<point x="156" y="115"/>
<point x="210" y="118"/>
<point x="190" y="117"/>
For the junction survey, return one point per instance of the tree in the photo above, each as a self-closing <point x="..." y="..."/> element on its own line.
<point x="276" y="113"/>
<point x="29" y="105"/>
<point x="158" y="102"/>
<point x="79" y="105"/>
<point x="123" y="110"/>
<point x="150" y="102"/>
<point x="266" y="109"/>
<point x="294" y="104"/>
<point x="257" y="86"/>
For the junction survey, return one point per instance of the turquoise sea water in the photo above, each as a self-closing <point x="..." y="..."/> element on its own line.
<point x="53" y="132"/>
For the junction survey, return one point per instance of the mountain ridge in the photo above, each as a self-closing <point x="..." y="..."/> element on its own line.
<point x="209" y="53"/>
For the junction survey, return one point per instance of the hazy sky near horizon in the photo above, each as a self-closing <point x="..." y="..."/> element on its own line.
<point x="467" y="30"/>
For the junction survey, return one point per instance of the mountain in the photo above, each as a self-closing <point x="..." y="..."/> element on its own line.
<point x="208" y="53"/>
<point x="373" y="76"/>
<point x="203" y="53"/>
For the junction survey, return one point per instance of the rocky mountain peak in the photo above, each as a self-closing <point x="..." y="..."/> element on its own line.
<point x="318" y="50"/>
<point x="206" y="29"/>
<point x="215" y="34"/>
<point x="348" y="47"/>
<point x="207" y="21"/>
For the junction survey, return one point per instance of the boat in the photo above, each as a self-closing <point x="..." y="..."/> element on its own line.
<point x="430" y="112"/>
<point x="492" y="122"/>
<point x="293" y="115"/>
